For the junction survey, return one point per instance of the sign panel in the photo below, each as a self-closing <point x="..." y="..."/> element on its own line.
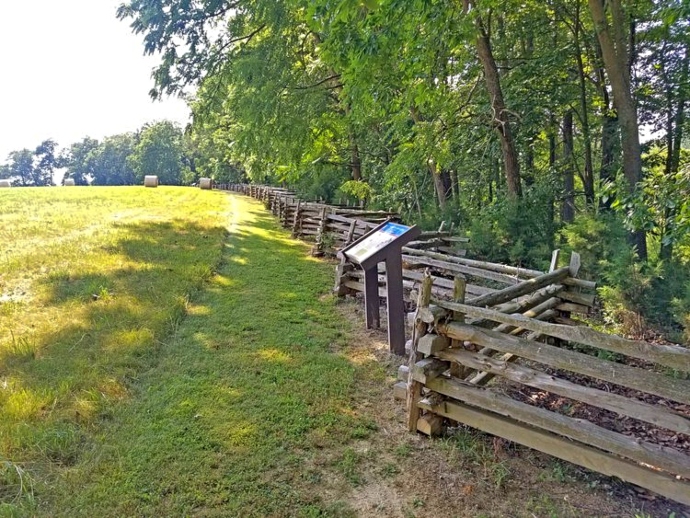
<point x="367" y="247"/>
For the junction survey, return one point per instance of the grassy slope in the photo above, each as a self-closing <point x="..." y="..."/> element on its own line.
<point x="92" y="281"/>
<point x="240" y="399"/>
<point x="113" y="407"/>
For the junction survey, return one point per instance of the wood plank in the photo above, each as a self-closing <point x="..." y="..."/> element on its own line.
<point x="430" y="424"/>
<point x="565" y="449"/>
<point x="414" y="388"/>
<point x="433" y="314"/>
<point x="586" y="299"/>
<point x="455" y="239"/>
<point x="569" y="307"/>
<point x="661" y="457"/>
<point x="525" y="287"/>
<point x="484" y="265"/>
<point x="427" y="369"/>
<point x="460" y="268"/>
<point x="653" y="414"/>
<point x="452" y="251"/>
<point x="673" y="356"/>
<point x="439" y="293"/>
<point x="432" y="344"/>
<point x="341" y="219"/>
<point x="617" y="373"/>
<point x="580" y="283"/>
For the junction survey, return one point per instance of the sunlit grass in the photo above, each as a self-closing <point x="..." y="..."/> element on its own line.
<point x="92" y="282"/>
<point x="154" y="366"/>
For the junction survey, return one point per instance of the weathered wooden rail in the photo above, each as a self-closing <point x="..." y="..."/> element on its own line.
<point x="459" y="346"/>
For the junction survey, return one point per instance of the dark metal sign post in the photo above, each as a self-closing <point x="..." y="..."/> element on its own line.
<point x="383" y="244"/>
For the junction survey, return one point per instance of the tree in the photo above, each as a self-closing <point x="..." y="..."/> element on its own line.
<point x="110" y="160"/>
<point x="159" y="151"/>
<point x="45" y="163"/>
<point x="78" y="161"/>
<point x="499" y="109"/>
<point x="20" y="167"/>
<point x="618" y="55"/>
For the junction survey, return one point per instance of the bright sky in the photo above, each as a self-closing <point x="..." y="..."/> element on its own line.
<point x="70" y="69"/>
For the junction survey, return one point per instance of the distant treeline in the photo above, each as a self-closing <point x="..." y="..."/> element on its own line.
<point x="159" y="148"/>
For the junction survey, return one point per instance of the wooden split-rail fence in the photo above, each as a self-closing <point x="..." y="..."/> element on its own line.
<point x="490" y="341"/>
<point x="330" y="227"/>
<point x="533" y="353"/>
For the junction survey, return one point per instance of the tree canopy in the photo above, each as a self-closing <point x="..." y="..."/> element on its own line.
<point x="519" y="121"/>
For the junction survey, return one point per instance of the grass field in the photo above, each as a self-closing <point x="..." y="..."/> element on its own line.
<point x="171" y="352"/>
<point x="93" y="282"/>
<point x="110" y="406"/>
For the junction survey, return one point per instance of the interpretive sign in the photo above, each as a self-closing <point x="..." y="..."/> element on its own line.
<point x="375" y="241"/>
<point x="383" y="244"/>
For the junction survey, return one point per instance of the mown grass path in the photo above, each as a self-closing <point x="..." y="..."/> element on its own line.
<point x="242" y="396"/>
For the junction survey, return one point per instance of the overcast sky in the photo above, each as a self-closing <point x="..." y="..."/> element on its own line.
<point x="68" y="69"/>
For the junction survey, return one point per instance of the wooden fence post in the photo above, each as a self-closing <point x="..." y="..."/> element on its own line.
<point x="341" y="274"/>
<point x="321" y="231"/>
<point x="350" y="232"/>
<point x="414" y="388"/>
<point x="459" y="289"/>
<point x="296" y="219"/>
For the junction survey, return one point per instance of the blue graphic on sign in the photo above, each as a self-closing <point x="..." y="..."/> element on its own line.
<point x="395" y="229"/>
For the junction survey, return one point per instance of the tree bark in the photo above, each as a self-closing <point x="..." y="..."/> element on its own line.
<point x="610" y="147"/>
<point x="674" y="139"/>
<point x="568" y="208"/>
<point x="355" y="160"/>
<point x="588" y="175"/>
<point x="617" y="60"/>
<point x="439" y="185"/>
<point x="500" y="114"/>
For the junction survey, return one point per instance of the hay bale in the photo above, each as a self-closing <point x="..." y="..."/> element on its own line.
<point x="150" y="181"/>
<point x="205" y="183"/>
<point x="69" y="182"/>
<point x="5" y="183"/>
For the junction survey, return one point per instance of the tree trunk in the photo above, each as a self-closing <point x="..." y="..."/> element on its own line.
<point x="617" y="60"/>
<point x="501" y="120"/>
<point x="355" y="160"/>
<point x="438" y="185"/>
<point x="456" y="184"/>
<point x="568" y="208"/>
<point x="588" y="175"/>
<point x="610" y="135"/>
<point x="552" y="143"/>
<point x="674" y="140"/>
<point x="447" y="183"/>
<point x="610" y="147"/>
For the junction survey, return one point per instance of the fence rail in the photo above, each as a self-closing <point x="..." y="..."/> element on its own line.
<point x="460" y="346"/>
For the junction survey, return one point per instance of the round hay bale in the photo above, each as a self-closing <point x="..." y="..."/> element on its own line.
<point x="205" y="183"/>
<point x="5" y="183"/>
<point x="150" y="181"/>
<point x="69" y="182"/>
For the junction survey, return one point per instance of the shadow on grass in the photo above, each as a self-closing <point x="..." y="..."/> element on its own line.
<point x="222" y="412"/>
<point x="54" y="387"/>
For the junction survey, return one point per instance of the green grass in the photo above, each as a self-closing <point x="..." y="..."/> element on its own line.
<point x="150" y="366"/>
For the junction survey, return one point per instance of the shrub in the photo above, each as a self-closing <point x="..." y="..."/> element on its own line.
<point x="518" y="232"/>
